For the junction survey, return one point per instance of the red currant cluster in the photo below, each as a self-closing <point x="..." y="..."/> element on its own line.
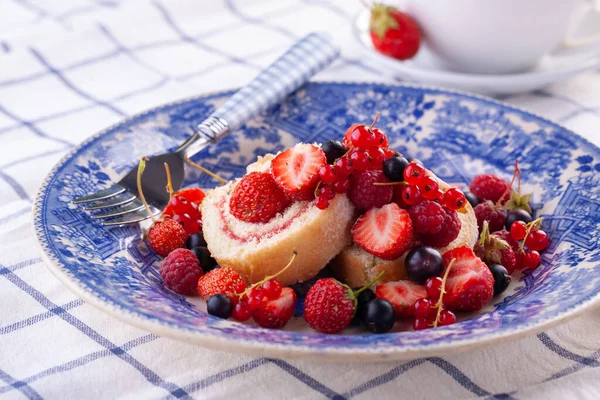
<point x="183" y="208"/>
<point x="533" y="237"/>
<point x="420" y="186"/>
<point x="251" y="300"/>
<point x="364" y="148"/>
<point x="427" y="312"/>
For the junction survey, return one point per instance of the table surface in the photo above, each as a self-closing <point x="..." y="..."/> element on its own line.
<point x="69" y="69"/>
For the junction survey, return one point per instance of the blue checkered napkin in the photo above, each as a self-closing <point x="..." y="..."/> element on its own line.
<point x="307" y="57"/>
<point x="71" y="68"/>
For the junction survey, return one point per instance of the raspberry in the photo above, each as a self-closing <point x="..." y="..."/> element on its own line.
<point x="487" y="211"/>
<point x="364" y="195"/>
<point x="180" y="271"/>
<point x="427" y="216"/>
<point x="489" y="187"/>
<point x="221" y="280"/>
<point x="448" y="232"/>
<point x="166" y="236"/>
<point x="257" y="198"/>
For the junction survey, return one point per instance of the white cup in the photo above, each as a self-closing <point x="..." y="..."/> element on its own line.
<point x="495" y="36"/>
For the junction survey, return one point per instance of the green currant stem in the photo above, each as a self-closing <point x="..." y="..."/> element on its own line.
<point x="439" y="305"/>
<point x="485" y="232"/>
<point x="530" y="226"/>
<point x="140" y="171"/>
<point x="389" y="183"/>
<point x="209" y="173"/>
<point x="368" y="285"/>
<point x="169" y="182"/>
<point x="375" y="120"/>
<point x="267" y="278"/>
<point x="317" y="187"/>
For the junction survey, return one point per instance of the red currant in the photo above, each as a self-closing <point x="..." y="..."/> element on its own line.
<point x="179" y="204"/>
<point x="241" y="312"/>
<point x="428" y="187"/>
<point x="454" y="199"/>
<point x="537" y="240"/>
<point x="382" y="139"/>
<point x="341" y="185"/>
<point x="422" y="308"/>
<point x="422" y="323"/>
<point x="411" y="194"/>
<point x="327" y="192"/>
<point x="433" y="286"/>
<point x="518" y="230"/>
<point x="531" y="259"/>
<point x="376" y="157"/>
<point x="360" y="159"/>
<point x="190" y="225"/>
<point x="413" y="173"/>
<point x="362" y="136"/>
<point x="447" y="317"/>
<point x="272" y="289"/>
<point x="254" y="302"/>
<point x="322" y="202"/>
<point x="343" y="167"/>
<point x="327" y="174"/>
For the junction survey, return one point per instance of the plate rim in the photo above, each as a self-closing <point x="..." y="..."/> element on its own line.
<point x="297" y="351"/>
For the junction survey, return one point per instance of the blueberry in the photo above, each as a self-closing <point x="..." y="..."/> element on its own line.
<point x="195" y="240"/>
<point x="393" y="168"/>
<point x="501" y="278"/>
<point x="333" y="150"/>
<point x="379" y="316"/>
<point x="219" y="305"/>
<point x="207" y="263"/>
<point x="363" y="298"/>
<point x="472" y="199"/>
<point x="422" y="263"/>
<point x="517" y="215"/>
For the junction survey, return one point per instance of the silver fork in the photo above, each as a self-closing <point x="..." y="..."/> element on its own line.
<point x="121" y="203"/>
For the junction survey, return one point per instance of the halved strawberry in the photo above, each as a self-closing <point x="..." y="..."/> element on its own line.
<point x="402" y="295"/>
<point x="296" y="170"/>
<point x="276" y="313"/>
<point x="385" y="232"/>
<point x="470" y="284"/>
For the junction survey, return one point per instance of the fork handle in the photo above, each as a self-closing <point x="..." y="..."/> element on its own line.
<point x="290" y="71"/>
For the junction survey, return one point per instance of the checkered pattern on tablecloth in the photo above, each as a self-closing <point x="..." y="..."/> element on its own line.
<point x="69" y="69"/>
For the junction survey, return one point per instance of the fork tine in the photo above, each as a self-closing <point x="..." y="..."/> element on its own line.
<point x="129" y="208"/>
<point x="101" y="194"/>
<point x="131" y="218"/>
<point x="111" y="203"/>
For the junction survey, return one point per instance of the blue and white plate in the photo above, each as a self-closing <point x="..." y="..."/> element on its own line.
<point x="456" y="135"/>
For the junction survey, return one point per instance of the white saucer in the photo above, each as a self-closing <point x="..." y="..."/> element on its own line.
<point x="423" y="68"/>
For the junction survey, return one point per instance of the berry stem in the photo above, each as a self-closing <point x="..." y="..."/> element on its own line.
<point x="533" y="224"/>
<point x="201" y="168"/>
<point x="317" y="188"/>
<point x="266" y="278"/>
<point x="440" y="305"/>
<point x="140" y="171"/>
<point x="516" y="172"/>
<point x="368" y="285"/>
<point x="485" y="232"/>
<point x="169" y="182"/>
<point x="389" y="183"/>
<point x="375" y="120"/>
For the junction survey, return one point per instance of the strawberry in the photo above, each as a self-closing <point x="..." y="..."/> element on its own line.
<point x="276" y="313"/>
<point x="296" y="170"/>
<point x="329" y="306"/>
<point x="257" y="198"/>
<point x="402" y="295"/>
<point x="470" y="284"/>
<point x="165" y="236"/>
<point x="494" y="250"/>
<point x="221" y="280"/>
<point x="385" y="232"/>
<point x="393" y="33"/>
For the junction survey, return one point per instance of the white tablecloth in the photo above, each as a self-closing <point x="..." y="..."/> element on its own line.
<point x="69" y="69"/>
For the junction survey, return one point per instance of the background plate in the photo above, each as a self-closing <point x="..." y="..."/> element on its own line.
<point x="457" y="135"/>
